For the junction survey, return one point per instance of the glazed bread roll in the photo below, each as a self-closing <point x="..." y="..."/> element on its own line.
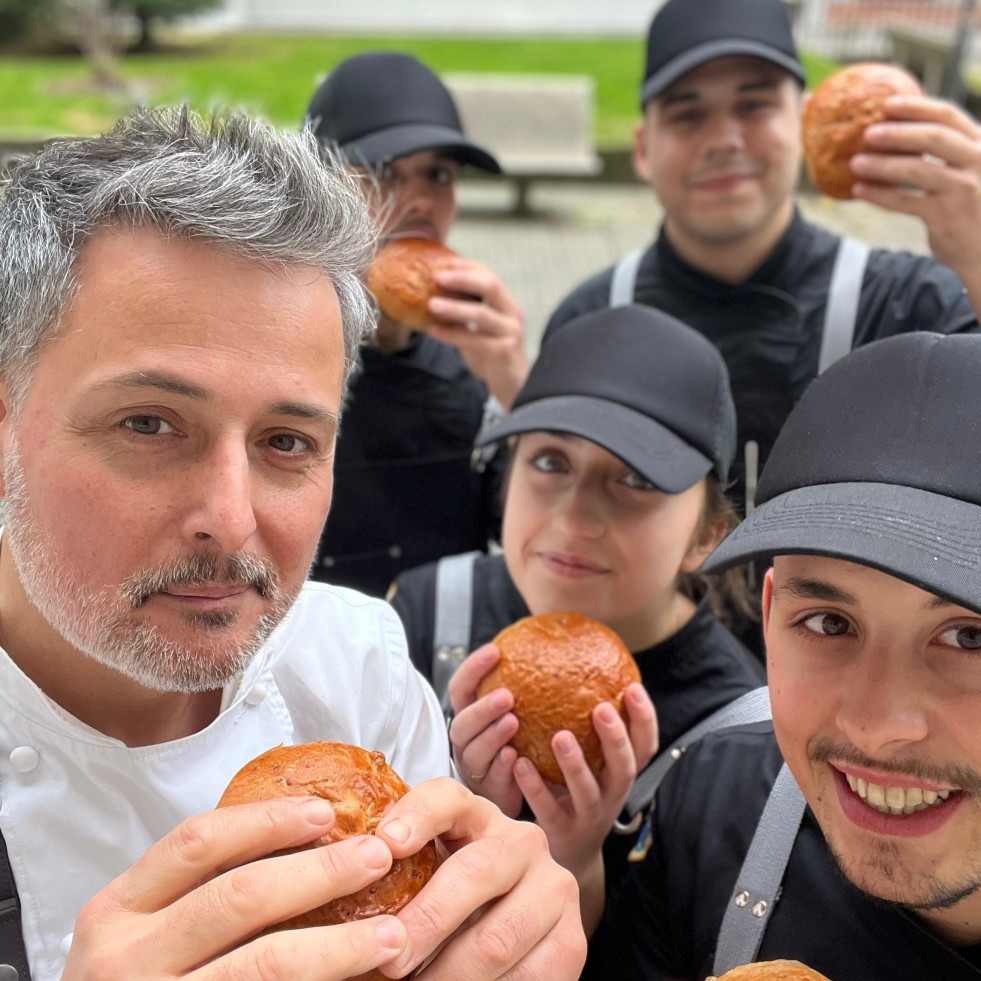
<point x="360" y="785"/>
<point x="402" y="279"/>
<point x="837" y="114"/>
<point x="771" y="971"/>
<point x="559" y="666"/>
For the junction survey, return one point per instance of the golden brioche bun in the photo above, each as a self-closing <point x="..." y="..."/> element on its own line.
<point x="402" y="279"/>
<point x="559" y="666"/>
<point x="360" y="785"/>
<point x="837" y="114"/>
<point x="771" y="971"/>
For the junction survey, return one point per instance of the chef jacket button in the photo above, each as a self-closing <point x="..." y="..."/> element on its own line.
<point x="8" y="972"/>
<point x="23" y="759"/>
<point x="257" y="694"/>
<point x="66" y="944"/>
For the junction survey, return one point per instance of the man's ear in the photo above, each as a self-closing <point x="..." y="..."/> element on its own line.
<point x="767" y="599"/>
<point x="6" y="423"/>
<point x="641" y="168"/>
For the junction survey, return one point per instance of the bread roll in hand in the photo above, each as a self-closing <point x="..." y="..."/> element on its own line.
<point x="403" y="278"/>
<point x="360" y="786"/>
<point x="772" y="971"/>
<point x="836" y="116"/>
<point x="559" y="667"/>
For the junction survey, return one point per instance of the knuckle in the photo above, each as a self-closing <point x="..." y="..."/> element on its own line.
<point x="496" y="944"/>
<point x="428" y="915"/>
<point x="272" y="958"/>
<point x="194" y="839"/>
<point x="241" y="893"/>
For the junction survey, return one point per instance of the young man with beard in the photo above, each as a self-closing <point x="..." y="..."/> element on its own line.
<point x="720" y="146"/>
<point x="870" y="505"/>
<point x="179" y="307"/>
<point x="407" y="491"/>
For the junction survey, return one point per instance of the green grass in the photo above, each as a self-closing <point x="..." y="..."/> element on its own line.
<point x="275" y="75"/>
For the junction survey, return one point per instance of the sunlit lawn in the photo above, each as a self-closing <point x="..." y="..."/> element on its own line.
<point x="274" y="76"/>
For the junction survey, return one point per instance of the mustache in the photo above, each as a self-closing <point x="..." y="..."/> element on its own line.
<point x="964" y="777"/>
<point x="732" y="166"/>
<point x="411" y="229"/>
<point x="238" y="569"/>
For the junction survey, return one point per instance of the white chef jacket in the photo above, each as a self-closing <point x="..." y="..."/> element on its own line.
<point x="77" y="808"/>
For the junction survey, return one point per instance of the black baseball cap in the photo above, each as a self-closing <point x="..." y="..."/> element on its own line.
<point x="640" y="384"/>
<point x="381" y="105"/>
<point x="880" y="464"/>
<point x="686" y="33"/>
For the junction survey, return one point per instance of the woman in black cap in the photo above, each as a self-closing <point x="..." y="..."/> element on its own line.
<point x="622" y="439"/>
<point x="405" y="491"/>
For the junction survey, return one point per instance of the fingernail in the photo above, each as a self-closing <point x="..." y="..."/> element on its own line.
<point x="437" y="304"/>
<point x="607" y="714"/>
<point x="398" y="831"/>
<point x="318" y="811"/>
<point x="373" y="852"/>
<point x="501" y="700"/>
<point x="523" y="767"/>
<point x="390" y="933"/>
<point x="565" y="743"/>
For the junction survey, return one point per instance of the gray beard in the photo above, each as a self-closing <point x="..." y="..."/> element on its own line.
<point x="107" y="626"/>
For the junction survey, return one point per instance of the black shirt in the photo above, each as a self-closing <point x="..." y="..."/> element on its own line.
<point x="688" y="676"/>
<point x="405" y="491"/>
<point x="663" y="922"/>
<point x="768" y="329"/>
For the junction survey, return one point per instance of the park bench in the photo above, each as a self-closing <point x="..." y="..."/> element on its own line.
<point x="538" y="126"/>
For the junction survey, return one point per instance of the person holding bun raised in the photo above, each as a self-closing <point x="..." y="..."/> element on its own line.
<point x="181" y="303"/>
<point x="845" y="833"/>
<point x="720" y="145"/>
<point x="621" y="442"/>
<point x="406" y="488"/>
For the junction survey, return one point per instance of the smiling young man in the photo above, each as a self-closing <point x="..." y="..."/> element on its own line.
<point x="180" y="304"/>
<point x="720" y="147"/>
<point x="870" y="506"/>
<point x="406" y="489"/>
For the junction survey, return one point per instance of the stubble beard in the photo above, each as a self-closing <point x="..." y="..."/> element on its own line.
<point x="106" y="624"/>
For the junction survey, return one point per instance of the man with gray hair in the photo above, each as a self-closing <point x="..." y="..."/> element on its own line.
<point x="180" y="303"/>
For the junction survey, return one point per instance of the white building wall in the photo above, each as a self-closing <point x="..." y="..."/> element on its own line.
<point x="491" y="17"/>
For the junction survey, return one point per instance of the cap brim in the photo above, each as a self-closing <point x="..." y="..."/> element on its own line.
<point x="685" y="62"/>
<point x="926" y="539"/>
<point x="385" y="145"/>
<point x="651" y="449"/>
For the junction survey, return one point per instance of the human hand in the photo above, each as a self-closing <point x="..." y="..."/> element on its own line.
<point x="183" y="909"/>
<point x="481" y="730"/>
<point x="491" y="341"/>
<point x="528" y="922"/>
<point x="577" y="818"/>
<point x="925" y="160"/>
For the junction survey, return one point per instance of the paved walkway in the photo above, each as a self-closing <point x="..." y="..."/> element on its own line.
<point x="578" y="229"/>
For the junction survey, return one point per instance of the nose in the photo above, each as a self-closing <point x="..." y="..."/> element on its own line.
<point x="724" y="134"/>
<point x="581" y="512"/>
<point x="219" y="505"/>
<point x="415" y="198"/>
<point x="882" y="708"/>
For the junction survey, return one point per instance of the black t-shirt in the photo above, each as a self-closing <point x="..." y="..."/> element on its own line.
<point x="688" y="676"/>
<point x="663" y="922"/>
<point x="405" y="489"/>
<point x="769" y="328"/>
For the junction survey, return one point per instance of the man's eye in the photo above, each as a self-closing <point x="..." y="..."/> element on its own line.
<point x="827" y="624"/>
<point x="965" y="636"/>
<point x="148" y="425"/>
<point x="289" y="443"/>
<point x="442" y="175"/>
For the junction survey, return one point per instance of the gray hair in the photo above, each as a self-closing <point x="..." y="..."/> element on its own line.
<point x="230" y="180"/>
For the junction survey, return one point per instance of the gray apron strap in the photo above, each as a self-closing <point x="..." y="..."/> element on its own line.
<point x="759" y="882"/>
<point x="844" y="292"/>
<point x="624" y="279"/>
<point x="754" y="706"/>
<point x="451" y="637"/>
<point x="13" y="952"/>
